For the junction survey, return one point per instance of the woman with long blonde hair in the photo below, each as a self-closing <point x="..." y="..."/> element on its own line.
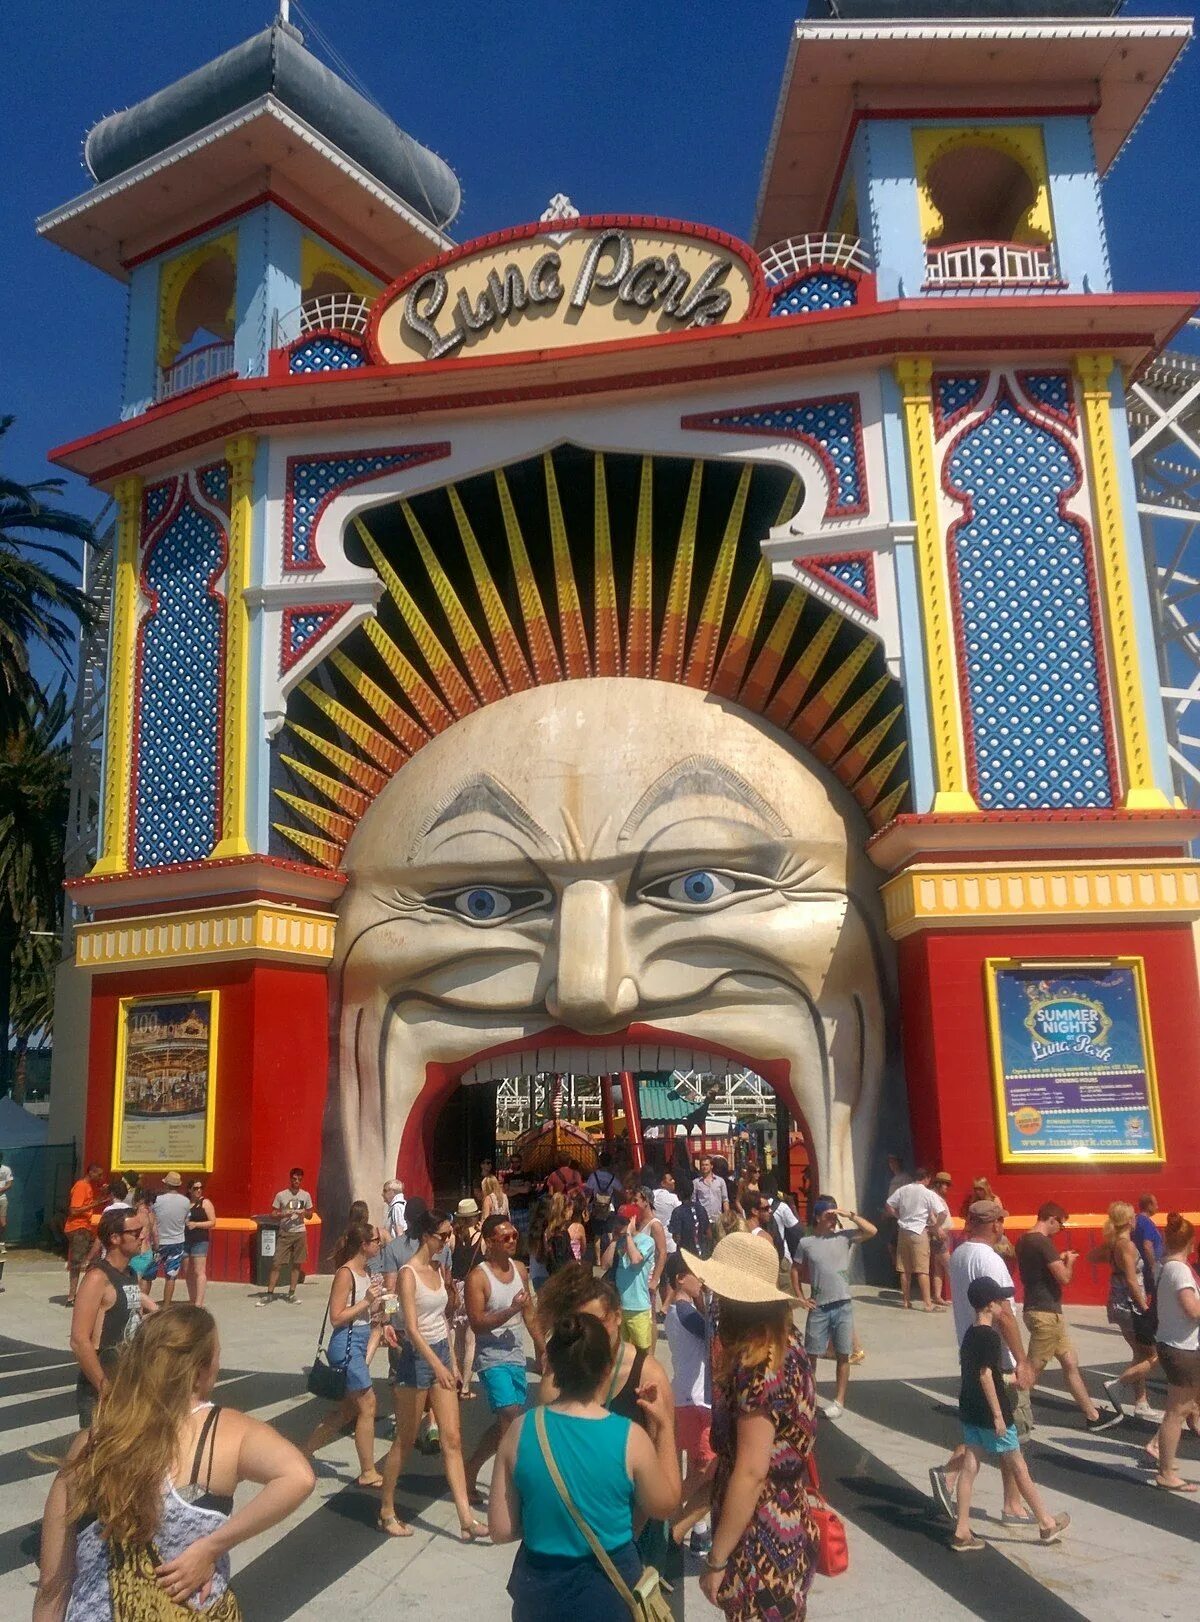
<point x="1178" y="1348"/>
<point x="143" y="1506"/>
<point x="495" y="1200"/>
<point x="764" y="1417"/>
<point x="1130" y="1308"/>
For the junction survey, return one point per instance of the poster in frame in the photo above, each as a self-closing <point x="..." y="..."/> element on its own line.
<point x="164" y="1090"/>
<point x="1072" y="1062"/>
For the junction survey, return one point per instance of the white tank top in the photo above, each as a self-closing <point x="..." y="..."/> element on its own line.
<point x="430" y="1306"/>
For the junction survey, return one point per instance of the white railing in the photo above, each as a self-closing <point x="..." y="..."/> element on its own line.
<point x="332" y="312"/>
<point x="829" y="251"/>
<point x="989" y="264"/>
<point x="200" y="366"/>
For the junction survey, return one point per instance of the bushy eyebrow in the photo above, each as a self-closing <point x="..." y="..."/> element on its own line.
<point x="481" y="795"/>
<point x="701" y="774"/>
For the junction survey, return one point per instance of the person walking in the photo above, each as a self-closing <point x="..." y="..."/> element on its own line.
<point x="108" y="1310"/>
<point x="198" y="1231"/>
<point x="420" y="1362"/>
<point x="6" y="1183"/>
<point x="985" y="1411"/>
<point x="170" y="1219"/>
<point x="575" y="1464"/>
<point x="466" y="1254"/>
<point x="918" y="1211"/>
<point x="353" y="1299"/>
<point x="666" y="1202"/>
<point x="1178" y="1298"/>
<point x="711" y="1191"/>
<point x="690" y="1225"/>
<point x="1044" y="1275"/>
<point x="495" y="1200"/>
<point x="85" y="1202"/>
<point x="939" y="1239"/>
<point x="396" y="1205"/>
<point x="822" y="1261"/>
<point x="292" y="1204"/>
<point x="634" y="1251"/>
<point x="1146" y="1235"/>
<point x="689" y="1334"/>
<point x="140" y="1519"/>
<point x="1130" y="1308"/>
<point x="142" y="1263"/>
<point x="764" y="1418"/>
<point x="500" y="1305"/>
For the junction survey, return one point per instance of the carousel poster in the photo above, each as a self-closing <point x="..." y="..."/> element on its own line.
<point x="166" y="1069"/>
<point x="1072" y="1061"/>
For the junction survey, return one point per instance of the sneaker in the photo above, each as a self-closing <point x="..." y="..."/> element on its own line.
<point x="293" y="1299"/>
<point x="967" y="1545"/>
<point x="266" y="1301"/>
<point x="943" y="1497"/>
<point x="1144" y="1410"/>
<point x="700" y="1541"/>
<point x="1054" y="1533"/>
<point x="1112" y="1390"/>
<point x="1104" y="1420"/>
<point x="833" y="1410"/>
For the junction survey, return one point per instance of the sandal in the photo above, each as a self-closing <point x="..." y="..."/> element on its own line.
<point x="1174" y="1486"/>
<point x="473" y="1533"/>
<point x="391" y="1526"/>
<point x="370" y="1481"/>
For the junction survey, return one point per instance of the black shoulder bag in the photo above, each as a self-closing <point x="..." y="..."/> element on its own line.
<point x="325" y="1379"/>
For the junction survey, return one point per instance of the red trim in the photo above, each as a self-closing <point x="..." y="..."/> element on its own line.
<point x="1065" y="814"/>
<point x="715" y="422"/>
<point x="288" y="656"/>
<point x="964" y="500"/>
<point x="586" y="222"/>
<point x="818" y="568"/>
<point x="279" y="360"/>
<point x="864" y="290"/>
<point x="416" y="455"/>
<point x="205" y="865"/>
<point x="248" y="207"/>
<point x="942" y="421"/>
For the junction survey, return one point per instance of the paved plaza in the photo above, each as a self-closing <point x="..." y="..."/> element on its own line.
<point x="1131" y="1551"/>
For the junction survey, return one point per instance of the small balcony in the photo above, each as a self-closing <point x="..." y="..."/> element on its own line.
<point x="817" y="251"/>
<point x="332" y="312"/>
<point x="194" y="369"/>
<point x="990" y="264"/>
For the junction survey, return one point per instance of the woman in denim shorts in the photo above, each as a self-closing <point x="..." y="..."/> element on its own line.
<point x="421" y="1360"/>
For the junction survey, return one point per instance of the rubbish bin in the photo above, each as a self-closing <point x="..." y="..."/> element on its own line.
<point x="265" y="1239"/>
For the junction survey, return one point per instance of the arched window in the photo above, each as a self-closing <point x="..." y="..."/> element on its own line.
<point x="982" y="195"/>
<point x="197" y="299"/>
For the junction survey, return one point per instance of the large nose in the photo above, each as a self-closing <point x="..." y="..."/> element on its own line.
<point x="593" y="989"/>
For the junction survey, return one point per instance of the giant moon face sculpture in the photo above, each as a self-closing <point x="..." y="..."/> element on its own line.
<point x="617" y="862"/>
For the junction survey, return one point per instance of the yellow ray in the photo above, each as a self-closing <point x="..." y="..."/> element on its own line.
<point x="819" y="711"/>
<point x="703" y="657"/>
<point x="441" y="666"/>
<point x="841" y="733"/>
<point x="413" y="685"/>
<point x="504" y="638"/>
<point x="382" y="750"/>
<point x="397" y="720"/>
<point x="639" y="631"/>
<point x="883" y="811"/>
<point x="850" y="766"/>
<point x="346" y="799"/>
<point x="326" y="852"/>
<point x="544" y="654"/>
<point x="869" y="786"/>
<point x="668" y="665"/>
<point x="734" y="656"/>
<point x="357" y="771"/>
<point x="480" y="668"/>
<point x="803" y="673"/>
<point x="337" y="827"/>
<point x="570" y="614"/>
<point x="608" y="629"/>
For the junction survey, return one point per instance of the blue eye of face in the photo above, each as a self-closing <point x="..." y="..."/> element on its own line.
<point x="482" y="904"/>
<point x="699" y="886"/>
<point x="488" y="903"/>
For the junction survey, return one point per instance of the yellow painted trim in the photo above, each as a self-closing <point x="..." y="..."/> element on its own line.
<point x="847" y="216"/>
<point x="173" y="278"/>
<point x="254" y="929"/>
<point x="1023" y="143"/>
<point x="956" y="895"/>
<point x="234" y="841"/>
<point x="118" y="721"/>
<point x="914" y="375"/>
<point x="1003" y="1148"/>
<point x="316" y="256"/>
<point x="1141" y="791"/>
<point x="117" y="1160"/>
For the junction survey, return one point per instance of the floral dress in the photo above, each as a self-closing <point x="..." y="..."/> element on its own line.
<point x="768" y="1575"/>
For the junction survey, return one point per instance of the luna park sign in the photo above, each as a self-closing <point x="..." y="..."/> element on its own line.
<point x="543" y="287"/>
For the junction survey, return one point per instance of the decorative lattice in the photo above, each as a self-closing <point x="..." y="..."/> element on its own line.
<point x="176" y="776"/>
<point x="1052" y="393"/>
<point x="852" y="576"/>
<point x="214" y="482"/>
<point x="313" y="481"/>
<point x="954" y="395"/>
<point x="830" y="427"/>
<point x="1025" y="608"/>
<point x="155" y="499"/>
<point x="302" y="627"/>
<point x="326" y="354"/>
<point x="819" y="290"/>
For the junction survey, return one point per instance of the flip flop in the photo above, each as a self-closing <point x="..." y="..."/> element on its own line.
<point x="1168" y="1486"/>
<point x="376" y="1481"/>
<point x="391" y="1526"/>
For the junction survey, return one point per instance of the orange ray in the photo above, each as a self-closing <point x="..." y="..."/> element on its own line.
<point x="732" y="666"/>
<point x="703" y="657"/>
<point x="819" y="711"/>
<point x="346" y="799"/>
<point x="441" y="666"/>
<point x="803" y="673"/>
<point x="325" y="852"/>
<point x="542" y="651"/>
<point x="638" y="644"/>
<point x="570" y="614"/>
<point x="608" y="629"/>
<point x="396" y="719"/>
<point x="413" y="685"/>
<point x="337" y="827"/>
<point x="380" y="749"/>
<point x="357" y="771"/>
<point x="504" y="638"/>
<point x="668" y="665"/>
<point x="482" y="671"/>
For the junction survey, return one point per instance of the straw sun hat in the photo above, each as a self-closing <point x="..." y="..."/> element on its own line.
<point x="743" y="1267"/>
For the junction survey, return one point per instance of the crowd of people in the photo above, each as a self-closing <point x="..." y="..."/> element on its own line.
<point x="622" y="1457"/>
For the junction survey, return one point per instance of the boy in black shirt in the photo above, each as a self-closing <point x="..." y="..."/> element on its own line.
<point x="985" y="1409"/>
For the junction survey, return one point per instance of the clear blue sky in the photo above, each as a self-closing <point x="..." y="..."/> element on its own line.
<point x="654" y="109"/>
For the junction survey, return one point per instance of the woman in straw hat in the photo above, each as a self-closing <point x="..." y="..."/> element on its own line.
<point x="764" y="1414"/>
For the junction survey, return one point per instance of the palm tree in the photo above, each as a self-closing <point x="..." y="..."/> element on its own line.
<point x="36" y="604"/>
<point x="35" y="967"/>
<point x="35" y="771"/>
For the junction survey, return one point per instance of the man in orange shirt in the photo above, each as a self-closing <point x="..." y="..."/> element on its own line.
<point x="87" y="1199"/>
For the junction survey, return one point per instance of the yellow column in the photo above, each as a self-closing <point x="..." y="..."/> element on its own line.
<point x="1141" y="791"/>
<point x="949" y="757"/>
<point x="113" y="856"/>
<point x="234" y="840"/>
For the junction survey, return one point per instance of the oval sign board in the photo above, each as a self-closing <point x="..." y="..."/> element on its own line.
<point x="598" y="279"/>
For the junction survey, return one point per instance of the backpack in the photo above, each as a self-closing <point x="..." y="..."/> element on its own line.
<point x="602" y="1201"/>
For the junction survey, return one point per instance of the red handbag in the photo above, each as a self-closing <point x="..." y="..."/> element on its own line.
<point x="833" y="1552"/>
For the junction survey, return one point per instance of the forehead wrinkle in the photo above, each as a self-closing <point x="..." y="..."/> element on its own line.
<point x="702" y="775"/>
<point x="481" y="794"/>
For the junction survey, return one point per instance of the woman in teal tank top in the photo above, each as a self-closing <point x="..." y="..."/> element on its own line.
<point x="609" y="1467"/>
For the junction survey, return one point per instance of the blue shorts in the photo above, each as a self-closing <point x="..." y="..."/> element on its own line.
<point x="352" y="1339"/>
<point x="196" y="1247"/>
<point x="407" y="1367"/>
<point x="505" y="1385"/>
<point x="833" y="1322"/>
<point x="985" y="1439"/>
<point x="168" y="1259"/>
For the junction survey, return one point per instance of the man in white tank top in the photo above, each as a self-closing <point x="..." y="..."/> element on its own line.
<point x="498" y="1295"/>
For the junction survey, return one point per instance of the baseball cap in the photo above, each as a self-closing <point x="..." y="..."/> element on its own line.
<point x="943" y="1177"/>
<point x="823" y="1203"/>
<point x="981" y="1292"/>
<point x="986" y="1211"/>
